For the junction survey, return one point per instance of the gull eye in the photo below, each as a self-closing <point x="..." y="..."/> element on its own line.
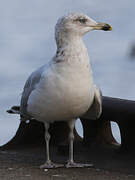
<point x="82" y="20"/>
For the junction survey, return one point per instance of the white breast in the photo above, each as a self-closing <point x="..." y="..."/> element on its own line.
<point x="63" y="93"/>
<point x="66" y="90"/>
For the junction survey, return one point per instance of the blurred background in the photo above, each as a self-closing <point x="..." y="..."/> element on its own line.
<point x="27" y="42"/>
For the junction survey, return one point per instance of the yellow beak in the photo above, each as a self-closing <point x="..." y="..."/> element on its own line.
<point x="102" y="26"/>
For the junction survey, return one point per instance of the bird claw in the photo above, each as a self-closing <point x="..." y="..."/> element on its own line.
<point x="77" y="165"/>
<point x="50" y="165"/>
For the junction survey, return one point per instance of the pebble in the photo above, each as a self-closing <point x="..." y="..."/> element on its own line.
<point x="10" y="169"/>
<point x="45" y="170"/>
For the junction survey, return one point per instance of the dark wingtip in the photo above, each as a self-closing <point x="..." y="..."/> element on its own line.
<point x="14" y="110"/>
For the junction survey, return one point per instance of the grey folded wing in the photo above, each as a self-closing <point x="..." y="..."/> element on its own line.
<point x="28" y="88"/>
<point x="30" y="84"/>
<point x="95" y="110"/>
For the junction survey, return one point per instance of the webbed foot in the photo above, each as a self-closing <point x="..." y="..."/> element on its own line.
<point x="77" y="165"/>
<point x="50" y="165"/>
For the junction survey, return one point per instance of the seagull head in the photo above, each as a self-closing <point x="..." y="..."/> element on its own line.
<point x="79" y="24"/>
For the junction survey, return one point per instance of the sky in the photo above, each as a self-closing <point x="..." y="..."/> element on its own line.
<point x="27" y="42"/>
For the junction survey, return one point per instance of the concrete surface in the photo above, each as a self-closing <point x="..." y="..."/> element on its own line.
<point x="23" y="164"/>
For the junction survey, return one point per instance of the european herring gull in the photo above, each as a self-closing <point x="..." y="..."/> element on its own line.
<point x="63" y="89"/>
